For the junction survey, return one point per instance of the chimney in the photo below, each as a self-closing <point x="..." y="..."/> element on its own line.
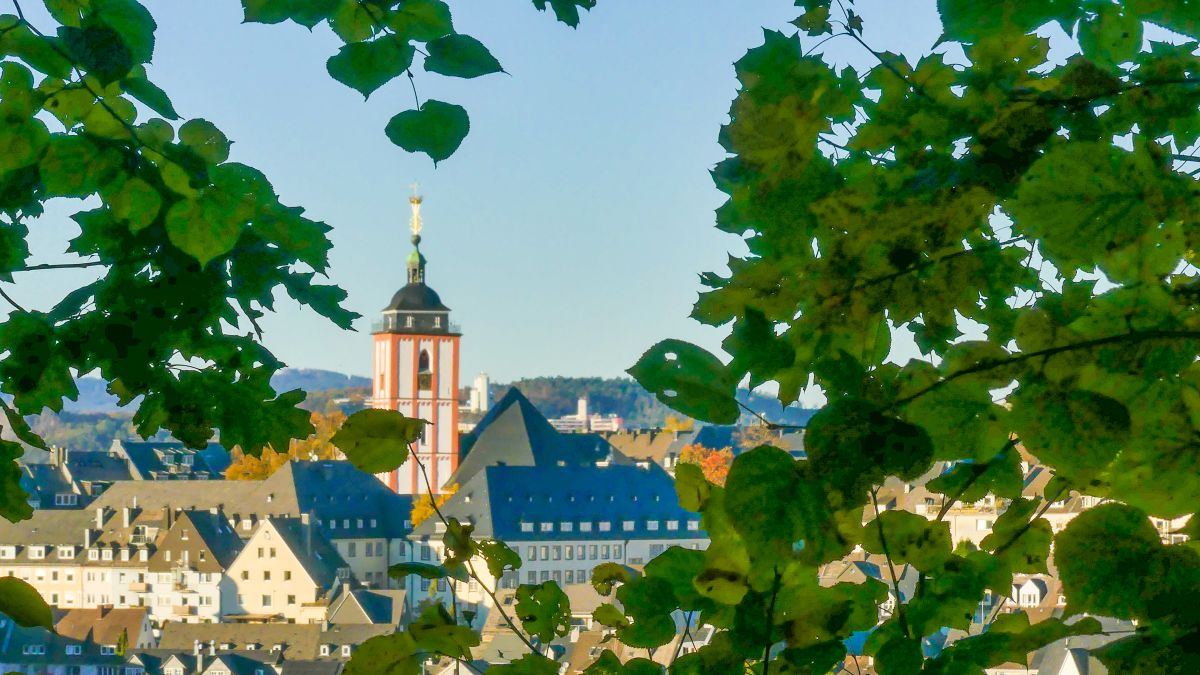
<point x="212" y="647"/>
<point x="306" y="525"/>
<point x="87" y="537"/>
<point x="99" y="517"/>
<point x="170" y="515"/>
<point x="134" y="501"/>
<point x="125" y="517"/>
<point x="582" y="408"/>
<point x="195" y="648"/>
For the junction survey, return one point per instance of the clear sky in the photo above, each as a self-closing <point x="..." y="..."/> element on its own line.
<point x="567" y="232"/>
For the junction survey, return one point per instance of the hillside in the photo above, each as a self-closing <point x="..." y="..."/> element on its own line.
<point x="558" y="396"/>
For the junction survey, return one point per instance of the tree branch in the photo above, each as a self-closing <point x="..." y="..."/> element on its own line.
<point x="891" y="567"/>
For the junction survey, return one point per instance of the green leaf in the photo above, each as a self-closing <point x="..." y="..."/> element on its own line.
<point x="607" y="614"/>
<point x="376" y="440"/>
<point x="500" y="557"/>
<point x="1077" y="432"/>
<point x="67" y="12"/>
<point x="136" y="202"/>
<point x="205" y="139"/>
<point x="355" y="21"/>
<point x="437" y="129"/>
<point x="14" y="501"/>
<point x="605" y="575"/>
<point x="1114" y="36"/>
<point x="460" y="56"/>
<point x="22" y="603"/>
<point x="423" y="570"/>
<point x="73" y="166"/>
<point x="422" y="20"/>
<point x="367" y="66"/>
<point x="1106" y="559"/>
<point x="544" y="610"/>
<point x="131" y="22"/>
<point x="307" y="13"/>
<point x="814" y="21"/>
<point x="435" y="631"/>
<point x="909" y="538"/>
<point x="45" y="53"/>
<point x="529" y="664"/>
<point x="970" y="20"/>
<point x="149" y="94"/>
<point x="566" y="11"/>
<point x="691" y="486"/>
<point x="202" y="227"/>
<point x="395" y="654"/>
<point x="1026" y="544"/>
<point x="971" y="481"/>
<point x="690" y="380"/>
<point x="759" y="495"/>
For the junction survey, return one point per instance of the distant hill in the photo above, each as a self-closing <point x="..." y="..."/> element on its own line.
<point x="312" y="379"/>
<point x="558" y="396"/>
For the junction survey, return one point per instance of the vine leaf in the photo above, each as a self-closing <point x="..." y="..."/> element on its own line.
<point x="23" y="604"/>
<point x="436" y="129"/>
<point x="422" y="20"/>
<point x="690" y="380"/>
<point x="566" y="11"/>
<point x="376" y="440"/>
<point x="14" y="501"/>
<point x="367" y="66"/>
<point x="460" y="56"/>
<point x="544" y="610"/>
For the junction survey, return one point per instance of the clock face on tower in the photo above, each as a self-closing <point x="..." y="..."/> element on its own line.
<point x="416" y="372"/>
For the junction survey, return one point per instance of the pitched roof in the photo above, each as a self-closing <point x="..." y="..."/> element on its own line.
<point x="500" y="499"/>
<point x="103" y="625"/>
<point x="317" y="556"/>
<point x="150" y="460"/>
<point x="366" y="606"/>
<point x="299" y="640"/>
<point x="515" y="433"/>
<point x="206" y="537"/>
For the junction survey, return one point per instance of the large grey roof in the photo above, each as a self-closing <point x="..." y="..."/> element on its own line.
<point x="515" y="433"/>
<point x="146" y="459"/>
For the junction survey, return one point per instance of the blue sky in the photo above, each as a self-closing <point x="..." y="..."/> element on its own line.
<point x="567" y="232"/>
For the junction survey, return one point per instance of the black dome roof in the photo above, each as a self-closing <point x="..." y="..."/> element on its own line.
<point x="416" y="298"/>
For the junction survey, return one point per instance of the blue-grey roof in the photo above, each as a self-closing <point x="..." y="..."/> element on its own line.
<point x="151" y="460"/>
<point x="500" y="499"/>
<point x="515" y="433"/>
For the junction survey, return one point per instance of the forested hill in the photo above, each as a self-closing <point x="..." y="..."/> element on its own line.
<point x="558" y="396"/>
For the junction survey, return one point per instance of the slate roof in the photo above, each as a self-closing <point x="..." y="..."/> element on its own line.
<point x="197" y="532"/>
<point x="500" y="498"/>
<point x="148" y="459"/>
<point x="97" y="467"/>
<point x="299" y="640"/>
<point x="321" y="562"/>
<point x="416" y="297"/>
<point x="43" y="482"/>
<point x="328" y="489"/>
<point x="355" y="606"/>
<point x="515" y="433"/>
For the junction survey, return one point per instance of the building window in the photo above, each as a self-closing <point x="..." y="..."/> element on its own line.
<point x="604" y="552"/>
<point x="108" y="650"/>
<point x="424" y="374"/>
<point x="627" y="525"/>
<point x="652" y="525"/>
<point x="74" y="650"/>
<point x="605" y="526"/>
<point x="346" y="651"/>
<point x="693" y="525"/>
<point x="287" y="575"/>
<point x="545" y="553"/>
<point x="566" y="526"/>
<point x="547" y="527"/>
<point x="617" y="551"/>
<point x="266" y="601"/>
<point x="983" y="525"/>
<point x="556" y="554"/>
<point x="266" y="575"/>
<point x="531" y="553"/>
<point x="291" y="599"/>
<point x="245" y="575"/>
<point x="527" y="527"/>
<point x="592" y="551"/>
<point x="324" y="650"/>
<point x="570" y="553"/>
<point x="672" y="525"/>
<point x="352" y="549"/>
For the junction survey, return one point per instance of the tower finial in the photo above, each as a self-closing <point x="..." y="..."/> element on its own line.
<point x="415" y="221"/>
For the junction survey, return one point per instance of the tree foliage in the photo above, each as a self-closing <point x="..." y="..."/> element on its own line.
<point x="713" y="463"/>
<point x="1030" y="223"/>
<point x="318" y="446"/>
<point x="425" y="504"/>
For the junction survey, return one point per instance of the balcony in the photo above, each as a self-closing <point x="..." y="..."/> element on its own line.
<point x="183" y="610"/>
<point x="139" y="587"/>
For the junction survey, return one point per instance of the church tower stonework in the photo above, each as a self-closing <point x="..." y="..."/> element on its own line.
<point x="416" y="372"/>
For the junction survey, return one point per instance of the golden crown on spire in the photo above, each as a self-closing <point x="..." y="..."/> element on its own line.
<point x="415" y="201"/>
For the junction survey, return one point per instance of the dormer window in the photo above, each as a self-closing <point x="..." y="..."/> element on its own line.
<point x="324" y="650"/>
<point x="408" y="321"/>
<point x="437" y="322"/>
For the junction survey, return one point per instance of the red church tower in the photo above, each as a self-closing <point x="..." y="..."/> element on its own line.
<point x="416" y="372"/>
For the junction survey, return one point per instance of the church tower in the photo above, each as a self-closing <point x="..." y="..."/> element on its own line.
<point x="416" y="371"/>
